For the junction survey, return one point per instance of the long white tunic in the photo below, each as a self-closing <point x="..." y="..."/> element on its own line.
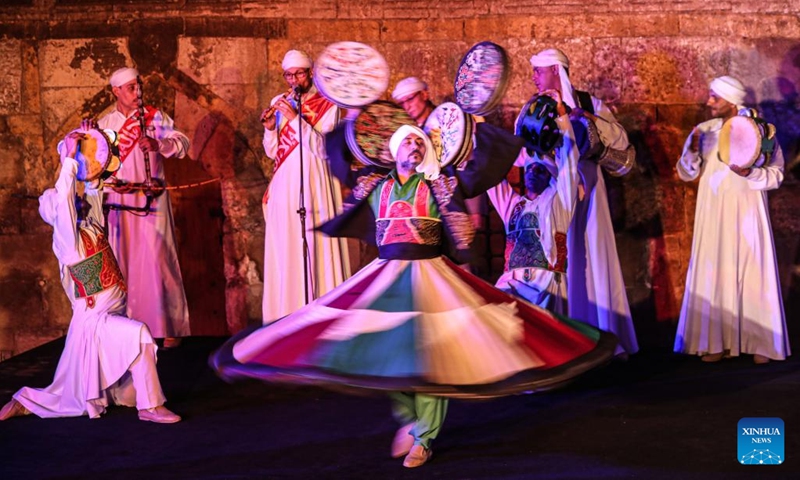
<point x="101" y="342"/>
<point x="733" y="298"/>
<point x="145" y="245"/>
<point x="596" y="287"/>
<point x="553" y="211"/>
<point x="329" y="263"/>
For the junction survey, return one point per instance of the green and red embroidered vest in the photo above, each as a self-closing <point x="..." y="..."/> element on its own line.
<point x="98" y="271"/>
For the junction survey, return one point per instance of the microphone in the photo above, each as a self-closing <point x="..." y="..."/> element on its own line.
<point x="296" y="91"/>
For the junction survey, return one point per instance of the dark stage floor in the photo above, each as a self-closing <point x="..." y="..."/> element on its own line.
<point x="657" y="416"/>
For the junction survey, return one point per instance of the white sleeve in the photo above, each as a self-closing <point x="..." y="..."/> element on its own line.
<point x="768" y="177"/>
<point x="567" y="156"/>
<point x="611" y="132"/>
<point x="503" y="198"/>
<point x="171" y="142"/>
<point x="65" y="225"/>
<point x="690" y="163"/>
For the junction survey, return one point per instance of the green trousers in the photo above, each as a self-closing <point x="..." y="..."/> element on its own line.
<point x="426" y="412"/>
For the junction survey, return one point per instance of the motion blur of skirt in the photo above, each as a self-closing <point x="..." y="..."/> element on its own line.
<point x="423" y="326"/>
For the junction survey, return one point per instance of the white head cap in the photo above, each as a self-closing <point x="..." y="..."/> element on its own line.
<point x="554" y="56"/>
<point x="730" y="89"/>
<point x="123" y="76"/>
<point x="408" y="86"/>
<point x="296" y="59"/>
<point x="430" y="164"/>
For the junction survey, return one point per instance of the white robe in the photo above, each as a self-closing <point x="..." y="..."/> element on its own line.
<point x="329" y="263"/>
<point x="733" y="297"/>
<point x="596" y="287"/>
<point x="145" y="245"/>
<point x="102" y="344"/>
<point x="553" y="209"/>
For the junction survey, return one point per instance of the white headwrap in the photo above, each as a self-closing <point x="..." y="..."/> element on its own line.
<point x="123" y="76"/>
<point x="554" y="56"/>
<point x="408" y="86"/>
<point x="296" y="59"/>
<point x="730" y="89"/>
<point x="430" y="164"/>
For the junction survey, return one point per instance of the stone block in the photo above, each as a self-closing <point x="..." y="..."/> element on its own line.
<point x="742" y="26"/>
<point x="81" y="63"/>
<point x="222" y="61"/>
<point x="11" y="77"/>
<point x="364" y="31"/>
<point x="288" y="9"/>
<point x="671" y="70"/>
<point x="434" y="62"/>
<point x="498" y="29"/>
<point x="422" y="30"/>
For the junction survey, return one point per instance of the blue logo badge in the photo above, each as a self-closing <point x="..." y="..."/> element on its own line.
<point x="761" y="441"/>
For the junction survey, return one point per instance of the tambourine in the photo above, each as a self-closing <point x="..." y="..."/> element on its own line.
<point x="482" y="79"/>
<point x="536" y="124"/>
<point x="746" y="141"/>
<point x="97" y="154"/>
<point x="351" y="74"/>
<point x="450" y="130"/>
<point x="369" y="133"/>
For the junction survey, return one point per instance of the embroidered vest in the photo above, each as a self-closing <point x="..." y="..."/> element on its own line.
<point x="98" y="271"/>
<point x="404" y="221"/>
<point x="523" y="247"/>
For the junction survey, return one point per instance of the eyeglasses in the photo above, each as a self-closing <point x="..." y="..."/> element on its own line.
<point x="410" y="99"/>
<point x="299" y="75"/>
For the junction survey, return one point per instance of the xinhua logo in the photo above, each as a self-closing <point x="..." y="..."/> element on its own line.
<point x="761" y="441"/>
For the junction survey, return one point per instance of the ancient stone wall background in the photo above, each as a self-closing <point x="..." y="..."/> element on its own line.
<point x="213" y="64"/>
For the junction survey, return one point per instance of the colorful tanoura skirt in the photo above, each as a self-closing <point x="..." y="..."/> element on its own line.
<point x="425" y="326"/>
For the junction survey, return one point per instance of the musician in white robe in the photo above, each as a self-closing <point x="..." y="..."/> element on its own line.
<point x="107" y="357"/>
<point x="596" y="288"/>
<point x="732" y="303"/>
<point x="145" y="244"/>
<point x="536" y="224"/>
<point x="328" y="260"/>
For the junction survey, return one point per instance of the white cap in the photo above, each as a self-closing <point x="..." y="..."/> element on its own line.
<point x="408" y="86"/>
<point x="296" y="59"/>
<point x="730" y="89"/>
<point x="123" y="76"/>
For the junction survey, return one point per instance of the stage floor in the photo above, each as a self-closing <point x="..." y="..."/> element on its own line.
<point x="657" y="416"/>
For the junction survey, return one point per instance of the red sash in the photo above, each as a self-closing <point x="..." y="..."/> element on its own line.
<point x="98" y="271"/>
<point x="131" y="131"/>
<point x="314" y="108"/>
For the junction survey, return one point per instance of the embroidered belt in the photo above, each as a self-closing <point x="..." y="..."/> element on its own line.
<point x="96" y="273"/>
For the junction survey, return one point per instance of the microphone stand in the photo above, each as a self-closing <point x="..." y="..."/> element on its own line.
<point x="301" y="208"/>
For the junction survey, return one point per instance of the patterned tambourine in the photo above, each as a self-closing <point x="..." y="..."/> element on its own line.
<point x="536" y="124"/>
<point x="351" y="74"/>
<point x="369" y="133"/>
<point x="450" y="131"/>
<point x="97" y="154"/>
<point x="746" y="141"/>
<point x="482" y="79"/>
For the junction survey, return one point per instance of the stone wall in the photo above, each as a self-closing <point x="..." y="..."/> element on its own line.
<point x="213" y="64"/>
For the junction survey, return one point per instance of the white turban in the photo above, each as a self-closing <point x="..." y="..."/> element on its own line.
<point x="123" y="76"/>
<point x="554" y="56"/>
<point x="430" y="164"/>
<point x="296" y="59"/>
<point x="730" y="89"/>
<point x="408" y="86"/>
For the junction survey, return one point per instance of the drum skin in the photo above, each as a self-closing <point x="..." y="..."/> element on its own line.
<point x="369" y="133"/>
<point x="746" y="141"/>
<point x="351" y="74"/>
<point x="96" y="154"/>
<point x="450" y="130"/>
<point x="482" y="79"/>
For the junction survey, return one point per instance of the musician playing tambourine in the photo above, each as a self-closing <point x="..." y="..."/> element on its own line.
<point x="103" y="345"/>
<point x="732" y="303"/>
<point x="596" y="289"/>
